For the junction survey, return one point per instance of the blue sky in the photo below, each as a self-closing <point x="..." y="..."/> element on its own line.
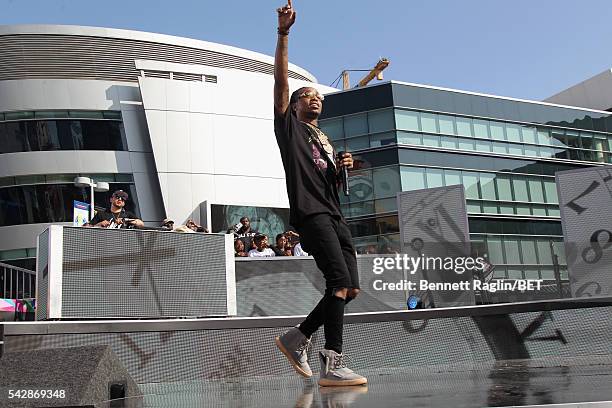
<point x="521" y="48"/>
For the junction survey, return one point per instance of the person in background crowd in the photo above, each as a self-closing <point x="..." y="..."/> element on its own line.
<point x="167" y="225"/>
<point x="191" y="224"/>
<point x="281" y="244"/>
<point x="371" y="249"/>
<point x="190" y="227"/>
<point x="298" y="251"/>
<point x="261" y="247"/>
<point x="118" y="216"/>
<point x="292" y="239"/>
<point x="245" y="232"/>
<point x="239" y="248"/>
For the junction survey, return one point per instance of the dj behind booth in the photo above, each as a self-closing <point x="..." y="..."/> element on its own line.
<point x="117" y="216"/>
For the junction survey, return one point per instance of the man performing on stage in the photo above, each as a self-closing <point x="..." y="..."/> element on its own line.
<point x="311" y="171"/>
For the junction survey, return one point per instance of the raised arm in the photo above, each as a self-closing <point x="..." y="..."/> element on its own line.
<point x="286" y="18"/>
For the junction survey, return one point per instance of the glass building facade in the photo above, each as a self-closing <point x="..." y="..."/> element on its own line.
<point x="504" y="152"/>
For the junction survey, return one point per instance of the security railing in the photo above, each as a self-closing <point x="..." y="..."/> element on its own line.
<point x="17" y="283"/>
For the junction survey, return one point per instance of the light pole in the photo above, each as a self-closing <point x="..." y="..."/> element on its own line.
<point x="100" y="186"/>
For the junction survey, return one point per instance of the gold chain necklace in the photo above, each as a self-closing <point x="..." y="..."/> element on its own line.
<point x="329" y="149"/>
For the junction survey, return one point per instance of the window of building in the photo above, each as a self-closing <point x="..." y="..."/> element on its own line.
<point x="452" y="177"/>
<point x="47" y="135"/>
<point x="499" y="147"/>
<point x="586" y="140"/>
<point x="382" y="139"/>
<point x="381" y="121"/>
<point x="481" y="129"/>
<point x="357" y="143"/>
<point x="529" y="134"/>
<point x="333" y="128"/>
<point x="435" y="178"/>
<point x="447" y="124"/>
<point x="361" y="186"/>
<point x="407" y="120"/>
<point x="513" y="133"/>
<point x="495" y="250"/>
<point x="428" y="123"/>
<point x="511" y="249"/>
<point x="448" y="142"/>
<point x="504" y="187"/>
<point x="386" y="182"/>
<point x="487" y="186"/>
<point x="361" y="208"/>
<point x="385" y="205"/>
<point x="543" y="248"/>
<point x="520" y="188"/>
<point x="515" y="149"/>
<point x="47" y="203"/>
<point x="550" y="188"/>
<point x="497" y="131"/>
<point x="531" y="151"/>
<point x="466" y="144"/>
<point x="355" y="125"/>
<point x="535" y="190"/>
<point x="409" y="138"/>
<point x="413" y="178"/>
<point x="470" y="182"/>
<point x="464" y="127"/>
<point x="431" y="140"/>
<point x="483" y="145"/>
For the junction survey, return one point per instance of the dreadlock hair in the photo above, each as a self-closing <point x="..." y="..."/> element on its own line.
<point x="296" y="95"/>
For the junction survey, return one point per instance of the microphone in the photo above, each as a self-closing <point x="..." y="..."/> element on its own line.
<point x="344" y="171"/>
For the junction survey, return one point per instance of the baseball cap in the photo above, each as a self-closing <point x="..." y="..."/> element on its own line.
<point x="121" y="193"/>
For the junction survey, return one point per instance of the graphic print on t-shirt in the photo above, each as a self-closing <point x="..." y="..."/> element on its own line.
<point x="320" y="162"/>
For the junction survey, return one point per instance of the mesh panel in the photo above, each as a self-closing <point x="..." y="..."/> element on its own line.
<point x="264" y="285"/>
<point x="585" y="198"/>
<point x="433" y="223"/>
<point x="125" y="273"/>
<point x="42" y="276"/>
<point x="228" y="353"/>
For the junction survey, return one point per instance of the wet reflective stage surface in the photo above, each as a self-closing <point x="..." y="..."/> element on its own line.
<point x="499" y="384"/>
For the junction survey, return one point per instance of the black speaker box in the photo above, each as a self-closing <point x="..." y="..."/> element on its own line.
<point x="75" y="376"/>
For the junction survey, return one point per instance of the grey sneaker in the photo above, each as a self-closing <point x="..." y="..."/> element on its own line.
<point x="334" y="371"/>
<point x="294" y="345"/>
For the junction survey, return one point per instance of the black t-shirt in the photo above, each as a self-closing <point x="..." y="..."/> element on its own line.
<point x="109" y="216"/>
<point x="278" y="251"/>
<point x="247" y="238"/>
<point x="309" y="172"/>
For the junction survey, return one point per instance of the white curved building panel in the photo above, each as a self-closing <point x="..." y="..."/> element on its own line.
<point x="256" y="191"/>
<point x="202" y="154"/>
<point x="246" y="146"/>
<point x="135" y="126"/>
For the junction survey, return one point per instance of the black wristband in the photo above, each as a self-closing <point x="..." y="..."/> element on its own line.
<point x="281" y="32"/>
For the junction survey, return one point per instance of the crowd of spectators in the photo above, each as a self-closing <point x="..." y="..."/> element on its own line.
<point x="250" y="243"/>
<point x="247" y="241"/>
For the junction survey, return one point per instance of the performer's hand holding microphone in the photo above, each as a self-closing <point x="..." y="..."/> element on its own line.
<point x="345" y="162"/>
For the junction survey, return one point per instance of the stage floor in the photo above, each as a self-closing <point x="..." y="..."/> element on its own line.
<point x="568" y="381"/>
